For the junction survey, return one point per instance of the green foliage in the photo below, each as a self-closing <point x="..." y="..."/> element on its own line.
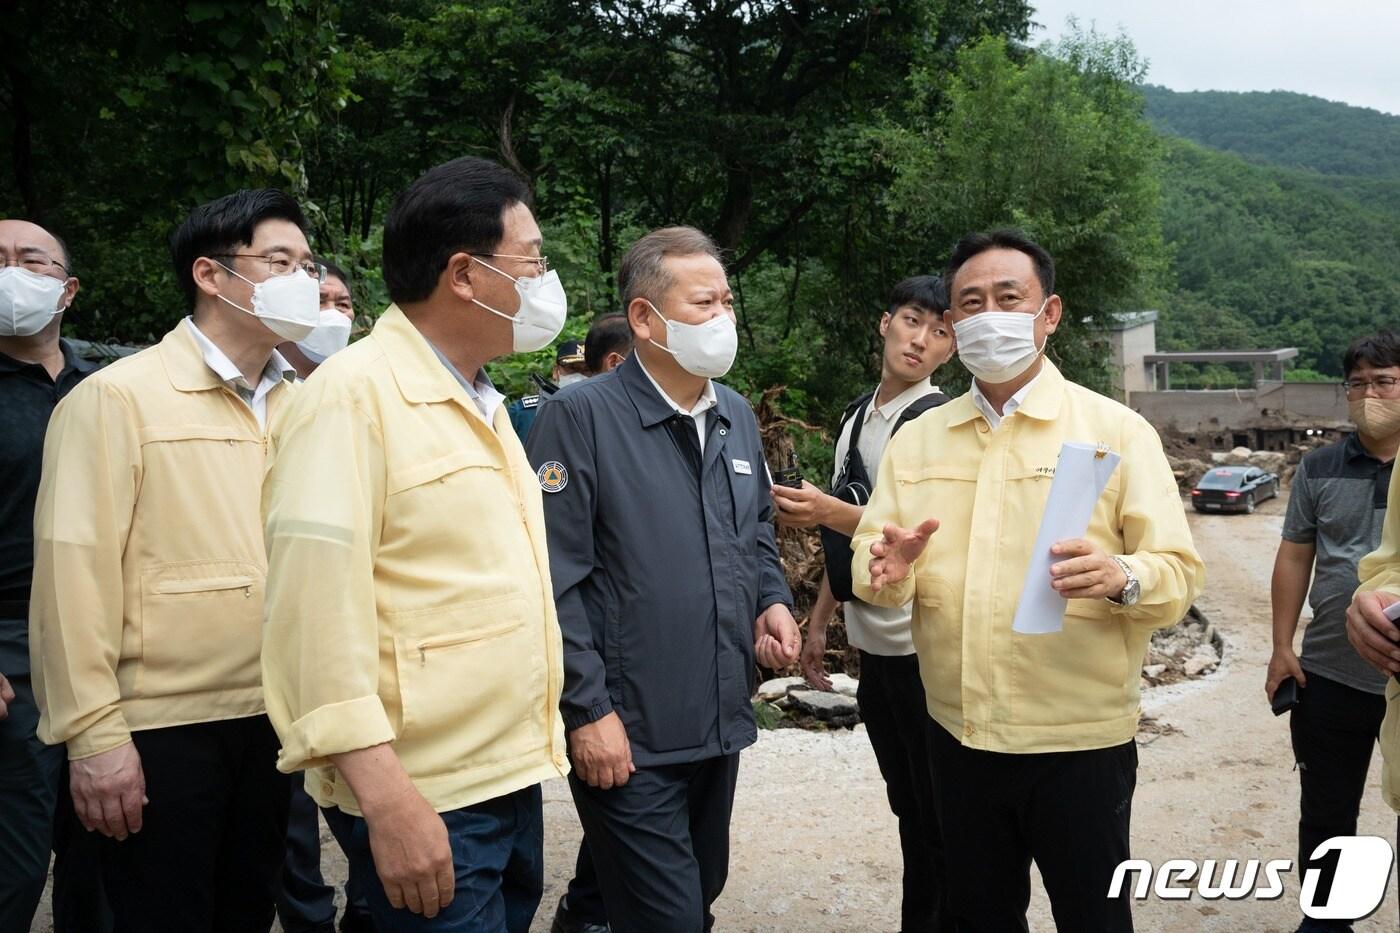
<point x="116" y="131"/>
<point x="1055" y="145"/>
<point x="1284" y="129"/>
<point x="831" y="148"/>
<point x="766" y="715"/>
<point x="1268" y="257"/>
<point x="1306" y="375"/>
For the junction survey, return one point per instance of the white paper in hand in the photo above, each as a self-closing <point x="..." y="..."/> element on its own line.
<point x="1081" y="474"/>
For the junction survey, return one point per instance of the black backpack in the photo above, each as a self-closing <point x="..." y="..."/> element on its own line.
<point x="854" y="484"/>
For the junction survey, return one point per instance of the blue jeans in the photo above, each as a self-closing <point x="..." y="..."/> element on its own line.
<point x="498" y="857"/>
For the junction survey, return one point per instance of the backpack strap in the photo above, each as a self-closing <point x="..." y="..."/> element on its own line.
<point x="917" y="407"/>
<point x="854" y="410"/>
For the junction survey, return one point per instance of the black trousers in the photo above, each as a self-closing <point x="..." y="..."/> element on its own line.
<point x="893" y="708"/>
<point x="584" y="899"/>
<point x="36" y="815"/>
<point x="1069" y="812"/>
<point x="1334" y="729"/>
<point x="305" y="903"/>
<point x="660" y="843"/>
<point x="213" y="837"/>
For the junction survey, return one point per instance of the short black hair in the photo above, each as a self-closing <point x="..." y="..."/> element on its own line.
<point x="610" y="333"/>
<point x="975" y="243"/>
<point x="333" y="269"/>
<point x="63" y="248"/>
<point x="1381" y="351"/>
<point x="456" y="207"/>
<point x="925" y="292"/>
<point x="223" y="225"/>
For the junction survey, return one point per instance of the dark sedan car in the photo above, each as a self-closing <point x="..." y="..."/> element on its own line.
<point x="1234" y="489"/>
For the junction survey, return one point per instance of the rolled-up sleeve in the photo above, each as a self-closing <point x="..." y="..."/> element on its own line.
<point x="1380" y="570"/>
<point x="91" y="474"/>
<point x="883" y="509"/>
<point x="1157" y="541"/>
<point x="323" y="502"/>
<point x="557" y="436"/>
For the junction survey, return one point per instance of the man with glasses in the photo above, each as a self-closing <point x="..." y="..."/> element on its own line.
<point x="37" y="369"/>
<point x="413" y="660"/>
<point x="333" y="327"/>
<point x="146" y="610"/>
<point x="1336" y="510"/>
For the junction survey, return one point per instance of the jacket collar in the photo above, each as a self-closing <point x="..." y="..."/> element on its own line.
<point x="184" y="361"/>
<point x="189" y="371"/>
<point x="651" y="407"/>
<point x="1043" y="402"/>
<point x="417" y="369"/>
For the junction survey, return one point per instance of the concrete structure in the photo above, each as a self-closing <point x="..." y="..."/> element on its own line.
<point x="1267" y="364"/>
<point x="1270" y="416"/>
<point x="1132" y="337"/>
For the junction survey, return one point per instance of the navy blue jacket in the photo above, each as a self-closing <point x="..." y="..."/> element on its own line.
<point x="659" y="573"/>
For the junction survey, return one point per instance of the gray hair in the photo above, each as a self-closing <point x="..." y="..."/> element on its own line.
<point x="643" y="271"/>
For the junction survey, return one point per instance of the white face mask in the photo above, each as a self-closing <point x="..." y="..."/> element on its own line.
<point x="288" y="305"/>
<point x="543" y="307"/>
<point x="28" y="301"/>
<point x="331" y="335"/>
<point x="569" y="379"/>
<point x="998" y="346"/>
<point x="706" y="349"/>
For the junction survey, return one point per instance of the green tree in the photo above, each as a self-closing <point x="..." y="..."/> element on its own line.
<point x="113" y="133"/>
<point x="1054" y="144"/>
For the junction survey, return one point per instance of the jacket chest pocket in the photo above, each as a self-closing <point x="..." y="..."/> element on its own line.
<point x="200" y="627"/>
<point x="452" y="516"/>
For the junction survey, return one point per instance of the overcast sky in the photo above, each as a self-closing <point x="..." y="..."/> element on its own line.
<point x="1344" y="50"/>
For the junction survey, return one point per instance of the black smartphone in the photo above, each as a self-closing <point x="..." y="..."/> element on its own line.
<point x="1286" y="696"/>
<point x="789" y="475"/>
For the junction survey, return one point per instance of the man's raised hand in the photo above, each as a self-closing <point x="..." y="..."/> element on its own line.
<point x="893" y="555"/>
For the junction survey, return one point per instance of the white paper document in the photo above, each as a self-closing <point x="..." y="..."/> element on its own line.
<point x="1080" y="477"/>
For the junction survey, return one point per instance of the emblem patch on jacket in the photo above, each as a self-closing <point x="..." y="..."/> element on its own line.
<point x="552" y="476"/>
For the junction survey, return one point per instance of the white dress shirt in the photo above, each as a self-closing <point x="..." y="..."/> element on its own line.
<point x="1009" y="409"/>
<point x="700" y="413"/>
<point x="277" y="370"/>
<point x="482" y="390"/>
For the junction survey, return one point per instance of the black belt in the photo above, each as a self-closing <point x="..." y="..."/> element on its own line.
<point x="14" y="609"/>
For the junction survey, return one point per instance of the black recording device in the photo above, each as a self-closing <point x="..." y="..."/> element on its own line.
<point x="789" y="475"/>
<point x="1286" y="696"/>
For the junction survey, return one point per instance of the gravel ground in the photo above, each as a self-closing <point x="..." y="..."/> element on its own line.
<point x="814" y="845"/>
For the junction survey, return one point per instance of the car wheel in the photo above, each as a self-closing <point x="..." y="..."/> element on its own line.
<point x="1249" y="505"/>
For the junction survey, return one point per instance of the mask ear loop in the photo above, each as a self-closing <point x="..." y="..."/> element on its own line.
<point x="664" y="320"/>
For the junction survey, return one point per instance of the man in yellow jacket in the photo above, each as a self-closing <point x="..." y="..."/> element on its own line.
<point x="1374" y="636"/>
<point x="1033" y="734"/>
<point x="146" y="609"/>
<point x="412" y="656"/>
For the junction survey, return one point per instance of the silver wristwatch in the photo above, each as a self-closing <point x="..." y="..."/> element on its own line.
<point x="1132" y="590"/>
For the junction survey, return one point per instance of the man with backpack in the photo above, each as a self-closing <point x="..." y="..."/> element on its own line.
<point x="891" y="696"/>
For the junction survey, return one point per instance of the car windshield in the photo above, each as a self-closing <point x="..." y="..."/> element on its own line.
<point x="1221" y="479"/>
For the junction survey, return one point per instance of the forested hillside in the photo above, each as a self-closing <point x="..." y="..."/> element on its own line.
<point x="1287" y="237"/>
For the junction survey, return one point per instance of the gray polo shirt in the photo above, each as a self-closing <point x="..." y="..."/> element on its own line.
<point x="1338" y="505"/>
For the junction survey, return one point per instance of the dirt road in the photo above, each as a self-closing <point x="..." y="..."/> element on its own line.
<point x="814" y="846"/>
